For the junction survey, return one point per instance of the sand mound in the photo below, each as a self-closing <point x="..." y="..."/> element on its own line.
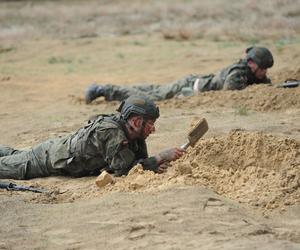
<point x="258" y="169"/>
<point x="253" y="168"/>
<point x="256" y="97"/>
<point x="284" y="75"/>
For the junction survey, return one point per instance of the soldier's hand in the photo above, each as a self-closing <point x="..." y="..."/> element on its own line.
<point x="171" y="154"/>
<point x="162" y="168"/>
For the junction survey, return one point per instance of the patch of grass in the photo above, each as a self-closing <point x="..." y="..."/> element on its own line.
<point x="70" y="69"/>
<point x="55" y="118"/>
<point x="227" y="44"/>
<point x="215" y="38"/>
<point x="88" y="35"/>
<point x="83" y="60"/>
<point x="241" y="110"/>
<point x="281" y="43"/>
<point x="55" y="60"/>
<point x="193" y="44"/>
<point x="6" y="50"/>
<point x="199" y="35"/>
<point x="120" y="55"/>
<point x="138" y="43"/>
<point x="253" y="40"/>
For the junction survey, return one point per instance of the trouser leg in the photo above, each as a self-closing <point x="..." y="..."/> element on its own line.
<point x="26" y="164"/>
<point x="163" y="92"/>
<point x="5" y="151"/>
<point x="119" y="93"/>
<point x="154" y="92"/>
<point x="16" y="166"/>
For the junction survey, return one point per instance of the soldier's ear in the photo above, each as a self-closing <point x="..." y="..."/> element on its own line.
<point x="136" y="120"/>
<point x="140" y="121"/>
<point x="250" y="61"/>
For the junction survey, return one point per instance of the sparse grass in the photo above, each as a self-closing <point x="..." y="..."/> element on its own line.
<point x="241" y="110"/>
<point x="120" y="55"/>
<point x="281" y="43"/>
<point x="6" y="49"/>
<point x="56" y="60"/>
<point x="65" y="32"/>
<point x="176" y="19"/>
<point x="138" y="43"/>
<point x="253" y="40"/>
<point x="227" y="44"/>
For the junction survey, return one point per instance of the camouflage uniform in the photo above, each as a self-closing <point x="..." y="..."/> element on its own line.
<point x="102" y="144"/>
<point x="236" y="76"/>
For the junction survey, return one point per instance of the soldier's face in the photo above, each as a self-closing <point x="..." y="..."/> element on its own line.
<point x="260" y="73"/>
<point x="257" y="71"/>
<point x="149" y="128"/>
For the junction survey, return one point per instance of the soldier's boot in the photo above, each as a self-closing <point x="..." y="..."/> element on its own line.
<point x="92" y="92"/>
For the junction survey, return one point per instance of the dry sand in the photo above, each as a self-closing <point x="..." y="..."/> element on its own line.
<point x="238" y="188"/>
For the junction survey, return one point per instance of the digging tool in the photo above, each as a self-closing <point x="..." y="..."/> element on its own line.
<point x="289" y="84"/>
<point x="196" y="133"/>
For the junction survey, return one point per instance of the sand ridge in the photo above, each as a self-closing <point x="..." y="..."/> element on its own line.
<point x="266" y="98"/>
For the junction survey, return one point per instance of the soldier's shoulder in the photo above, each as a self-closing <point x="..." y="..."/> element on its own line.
<point x="113" y="125"/>
<point x="104" y="121"/>
<point x="241" y="64"/>
<point x="109" y="124"/>
<point x="238" y="67"/>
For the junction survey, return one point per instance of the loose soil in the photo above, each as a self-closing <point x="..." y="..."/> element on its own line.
<point x="238" y="188"/>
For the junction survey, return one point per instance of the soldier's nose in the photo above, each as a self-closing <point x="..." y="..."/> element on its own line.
<point x="152" y="129"/>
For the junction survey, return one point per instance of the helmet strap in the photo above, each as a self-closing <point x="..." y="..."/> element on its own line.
<point x="143" y="126"/>
<point x="254" y="73"/>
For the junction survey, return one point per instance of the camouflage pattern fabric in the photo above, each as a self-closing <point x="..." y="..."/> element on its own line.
<point x="102" y="144"/>
<point x="152" y="91"/>
<point x="235" y="77"/>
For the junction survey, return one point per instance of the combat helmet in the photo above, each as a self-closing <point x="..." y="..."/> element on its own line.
<point x="261" y="56"/>
<point x="139" y="105"/>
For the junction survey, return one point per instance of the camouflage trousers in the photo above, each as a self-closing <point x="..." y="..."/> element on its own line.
<point x="154" y="92"/>
<point x="26" y="164"/>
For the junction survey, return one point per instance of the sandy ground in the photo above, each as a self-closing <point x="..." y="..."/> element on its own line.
<point x="238" y="188"/>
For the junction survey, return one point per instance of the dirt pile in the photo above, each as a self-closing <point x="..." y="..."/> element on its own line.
<point x="253" y="168"/>
<point x="287" y="74"/>
<point x="256" y="97"/>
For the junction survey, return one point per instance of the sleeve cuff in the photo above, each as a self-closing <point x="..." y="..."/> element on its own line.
<point x="150" y="163"/>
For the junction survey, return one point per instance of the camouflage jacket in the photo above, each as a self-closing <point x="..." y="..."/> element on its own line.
<point x="236" y="76"/>
<point x="102" y="144"/>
